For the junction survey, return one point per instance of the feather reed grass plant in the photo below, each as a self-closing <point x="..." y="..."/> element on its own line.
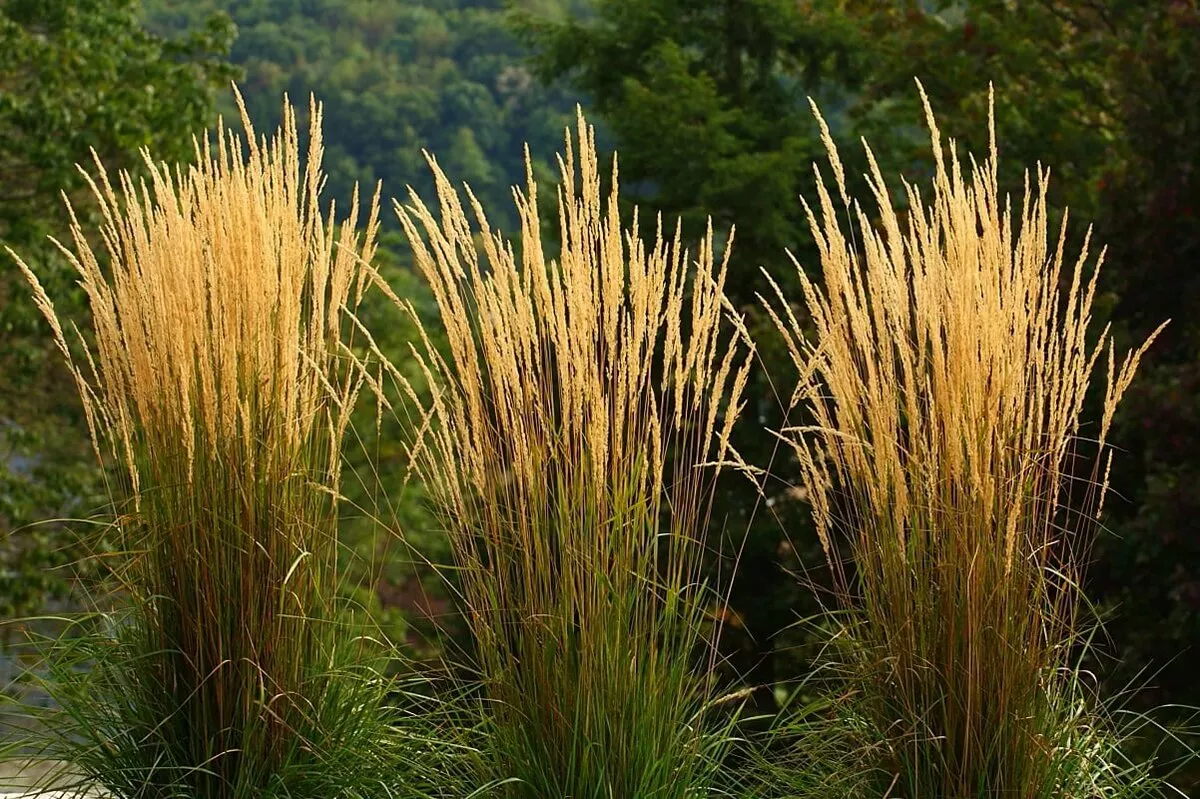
<point x="215" y="395"/>
<point x="945" y="379"/>
<point x="579" y="417"/>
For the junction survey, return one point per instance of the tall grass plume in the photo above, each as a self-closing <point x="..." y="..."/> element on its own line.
<point x="944" y="379"/>
<point x="215" y="396"/>
<point x="579" y="416"/>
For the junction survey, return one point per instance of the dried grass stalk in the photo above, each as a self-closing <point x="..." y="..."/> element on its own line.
<point x="945" y="377"/>
<point x="578" y="421"/>
<point x="214" y="392"/>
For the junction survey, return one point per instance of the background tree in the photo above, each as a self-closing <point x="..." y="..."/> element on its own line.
<point x="441" y="75"/>
<point x="1148" y="570"/>
<point x="74" y="75"/>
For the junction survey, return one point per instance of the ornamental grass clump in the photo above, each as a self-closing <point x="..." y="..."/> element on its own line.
<point x="214" y="394"/>
<point x="944" y="376"/>
<point x="579" y="416"/>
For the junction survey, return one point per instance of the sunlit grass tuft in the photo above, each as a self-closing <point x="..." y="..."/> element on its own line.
<point x="945" y="380"/>
<point x="576" y="426"/>
<point x="216" y="396"/>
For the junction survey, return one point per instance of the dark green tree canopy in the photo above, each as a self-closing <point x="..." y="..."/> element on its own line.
<point x="706" y="101"/>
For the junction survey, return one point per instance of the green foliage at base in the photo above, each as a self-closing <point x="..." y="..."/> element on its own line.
<point x="118" y="724"/>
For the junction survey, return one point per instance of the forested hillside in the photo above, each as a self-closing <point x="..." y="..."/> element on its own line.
<point x="396" y="77"/>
